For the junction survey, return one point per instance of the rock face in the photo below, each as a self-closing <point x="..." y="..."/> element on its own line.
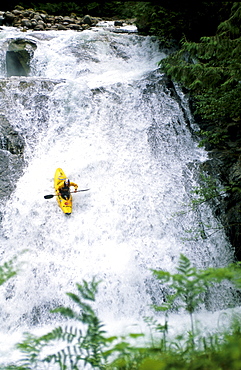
<point x="224" y="164"/>
<point x="9" y="138"/>
<point x="18" y="57"/>
<point x="12" y="141"/>
<point x="11" y="158"/>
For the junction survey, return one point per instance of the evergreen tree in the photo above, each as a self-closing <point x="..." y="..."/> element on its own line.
<point x="211" y="70"/>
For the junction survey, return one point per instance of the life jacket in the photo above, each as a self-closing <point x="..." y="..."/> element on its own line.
<point x="65" y="191"/>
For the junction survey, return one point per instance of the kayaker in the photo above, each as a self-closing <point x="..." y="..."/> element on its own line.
<point x="64" y="188"/>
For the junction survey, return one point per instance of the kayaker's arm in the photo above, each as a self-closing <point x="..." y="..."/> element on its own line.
<point x="74" y="185"/>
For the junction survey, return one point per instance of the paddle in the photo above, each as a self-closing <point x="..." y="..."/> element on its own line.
<point x="55" y="195"/>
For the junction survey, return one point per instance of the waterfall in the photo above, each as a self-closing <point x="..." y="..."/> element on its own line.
<point x="96" y="105"/>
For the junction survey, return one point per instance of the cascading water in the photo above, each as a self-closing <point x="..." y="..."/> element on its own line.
<point x="97" y="106"/>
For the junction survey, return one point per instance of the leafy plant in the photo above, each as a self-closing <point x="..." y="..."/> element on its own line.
<point x="76" y="345"/>
<point x="7" y="270"/>
<point x="170" y="20"/>
<point x="209" y="190"/>
<point x="209" y="68"/>
<point x="188" y="285"/>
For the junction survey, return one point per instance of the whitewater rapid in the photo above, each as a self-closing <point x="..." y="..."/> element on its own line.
<point x="97" y="106"/>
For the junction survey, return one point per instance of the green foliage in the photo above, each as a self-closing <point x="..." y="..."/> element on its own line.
<point x="159" y="21"/>
<point x="211" y="70"/>
<point x="60" y="8"/>
<point x="121" y="9"/>
<point x="73" y="347"/>
<point x="170" y="20"/>
<point x="222" y="356"/>
<point x="7" y="270"/>
<point x="212" y="193"/>
<point x="188" y="285"/>
<point x="208" y="190"/>
<point x="77" y="345"/>
<point x="217" y="137"/>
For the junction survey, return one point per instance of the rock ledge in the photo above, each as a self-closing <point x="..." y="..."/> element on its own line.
<point x="28" y="19"/>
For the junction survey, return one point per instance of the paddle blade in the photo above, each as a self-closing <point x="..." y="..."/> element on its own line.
<point x="48" y="196"/>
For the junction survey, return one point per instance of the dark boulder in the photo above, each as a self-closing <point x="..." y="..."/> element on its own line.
<point x="18" y="57"/>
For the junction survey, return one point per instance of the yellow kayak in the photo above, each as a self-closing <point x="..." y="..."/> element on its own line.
<point x="65" y="205"/>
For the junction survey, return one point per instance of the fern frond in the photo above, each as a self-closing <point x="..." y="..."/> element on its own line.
<point x="88" y="291"/>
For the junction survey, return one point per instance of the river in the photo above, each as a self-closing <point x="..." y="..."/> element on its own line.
<point x="96" y="105"/>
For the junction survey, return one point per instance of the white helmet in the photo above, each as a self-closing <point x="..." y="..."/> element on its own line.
<point x="66" y="181"/>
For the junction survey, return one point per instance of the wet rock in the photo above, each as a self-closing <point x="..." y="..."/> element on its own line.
<point x="61" y="27"/>
<point x="87" y="20"/>
<point x="75" y="27"/>
<point x="225" y="166"/>
<point x="118" y="23"/>
<point x="11" y="167"/>
<point x="1" y="18"/>
<point x="11" y="158"/>
<point x="40" y="26"/>
<point x="9" y="138"/>
<point x="18" y="57"/>
<point x="26" y="23"/>
<point x="39" y="21"/>
<point x="8" y="18"/>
